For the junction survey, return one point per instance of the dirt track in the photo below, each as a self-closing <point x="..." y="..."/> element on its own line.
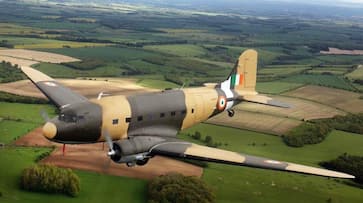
<point x="92" y="157"/>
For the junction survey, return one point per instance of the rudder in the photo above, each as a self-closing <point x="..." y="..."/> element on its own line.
<point x="243" y="75"/>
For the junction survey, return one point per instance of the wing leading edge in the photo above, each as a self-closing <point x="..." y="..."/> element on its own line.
<point x="55" y="92"/>
<point x="198" y="152"/>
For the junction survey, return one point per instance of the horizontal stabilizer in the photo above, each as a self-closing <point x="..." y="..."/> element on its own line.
<point x="260" y="99"/>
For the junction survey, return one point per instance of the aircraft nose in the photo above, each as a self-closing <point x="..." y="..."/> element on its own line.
<point x="49" y="130"/>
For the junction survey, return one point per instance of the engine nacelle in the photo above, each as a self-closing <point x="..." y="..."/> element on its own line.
<point x="134" y="149"/>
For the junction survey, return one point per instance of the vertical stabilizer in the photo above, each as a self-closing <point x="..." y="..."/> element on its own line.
<point x="243" y="76"/>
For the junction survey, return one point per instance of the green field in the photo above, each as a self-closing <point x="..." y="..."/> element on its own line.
<point x="276" y="87"/>
<point x="322" y="80"/>
<point x="17" y="119"/>
<point x="11" y="130"/>
<point x="356" y="74"/>
<point x="29" y="113"/>
<point x="257" y="185"/>
<point x="157" y="84"/>
<point x="178" y="50"/>
<point x="94" y="187"/>
<point x="61" y="71"/>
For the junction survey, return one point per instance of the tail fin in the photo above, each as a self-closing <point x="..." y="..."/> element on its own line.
<point x="243" y="76"/>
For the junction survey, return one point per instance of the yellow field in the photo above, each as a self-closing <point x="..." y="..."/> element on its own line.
<point x="300" y="109"/>
<point x="256" y="122"/>
<point x="55" y="44"/>
<point x="274" y="120"/>
<point x="356" y="74"/>
<point x="23" y="57"/>
<point x="344" y="100"/>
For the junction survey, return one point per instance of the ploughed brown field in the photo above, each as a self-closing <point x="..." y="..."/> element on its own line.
<point x="341" y="99"/>
<point x="35" y="56"/>
<point x="336" y="51"/>
<point x="275" y="120"/>
<point x="88" y="88"/>
<point x="92" y="157"/>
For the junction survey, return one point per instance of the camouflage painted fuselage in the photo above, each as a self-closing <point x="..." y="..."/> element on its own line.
<point x="152" y="114"/>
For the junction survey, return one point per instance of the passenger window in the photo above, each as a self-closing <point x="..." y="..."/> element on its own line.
<point x="115" y="121"/>
<point x="139" y="118"/>
<point x="128" y="120"/>
<point x="173" y="113"/>
<point x="192" y="110"/>
<point x="162" y="115"/>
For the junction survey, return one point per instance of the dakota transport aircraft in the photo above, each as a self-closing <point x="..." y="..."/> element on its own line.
<point x="141" y="126"/>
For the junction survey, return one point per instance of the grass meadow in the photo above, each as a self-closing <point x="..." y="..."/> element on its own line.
<point x="241" y="184"/>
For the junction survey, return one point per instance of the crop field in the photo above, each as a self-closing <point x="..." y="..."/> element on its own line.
<point x="157" y="84"/>
<point x="344" y="100"/>
<point x="274" y="120"/>
<point x="62" y="71"/>
<point x="301" y="109"/>
<point x="279" y="71"/>
<point x="29" y="113"/>
<point x="11" y="130"/>
<point x="178" y="50"/>
<point x="321" y="80"/>
<point x="330" y="70"/>
<point x="276" y="87"/>
<point x="89" y="88"/>
<point x="36" y="56"/>
<point x="356" y="74"/>
<point x="256" y="122"/>
<point x="130" y="48"/>
<point x="34" y="43"/>
<point x="257" y="185"/>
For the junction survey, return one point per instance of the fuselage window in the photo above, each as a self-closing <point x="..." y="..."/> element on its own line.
<point x="115" y="121"/>
<point x="173" y="113"/>
<point x="128" y="120"/>
<point x="162" y="115"/>
<point x="192" y="110"/>
<point x="139" y="118"/>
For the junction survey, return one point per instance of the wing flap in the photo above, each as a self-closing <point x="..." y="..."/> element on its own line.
<point x="54" y="91"/>
<point x="198" y="152"/>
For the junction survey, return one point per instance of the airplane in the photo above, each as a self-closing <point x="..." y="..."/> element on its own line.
<point x="140" y="126"/>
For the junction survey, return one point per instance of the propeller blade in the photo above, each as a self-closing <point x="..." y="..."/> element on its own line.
<point x="109" y="143"/>
<point x="44" y="115"/>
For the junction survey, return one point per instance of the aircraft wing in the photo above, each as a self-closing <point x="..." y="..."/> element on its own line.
<point x="193" y="151"/>
<point x="56" y="93"/>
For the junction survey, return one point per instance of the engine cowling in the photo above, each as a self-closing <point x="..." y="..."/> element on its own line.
<point x="134" y="150"/>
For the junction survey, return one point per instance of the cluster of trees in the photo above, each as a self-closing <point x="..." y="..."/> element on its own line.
<point x="358" y="81"/>
<point x="208" y="140"/>
<point x="175" y="188"/>
<point x="50" y="179"/>
<point x="350" y="123"/>
<point x="349" y="164"/>
<point x="306" y="133"/>
<point x="315" y="132"/>
<point x="6" y="97"/>
<point x="10" y="73"/>
<point x="6" y="44"/>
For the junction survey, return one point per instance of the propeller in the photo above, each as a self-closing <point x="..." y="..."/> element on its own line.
<point x="44" y="115"/>
<point x="111" y="152"/>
